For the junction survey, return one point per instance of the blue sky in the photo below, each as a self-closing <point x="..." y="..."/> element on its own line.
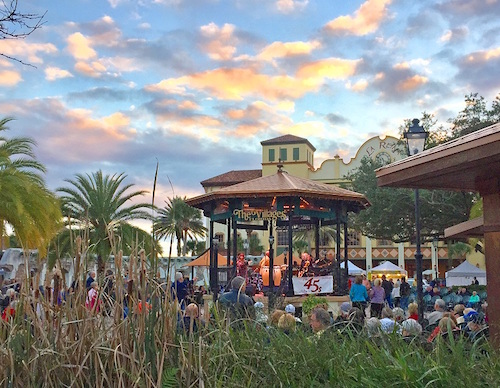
<point x="197" y="84"/>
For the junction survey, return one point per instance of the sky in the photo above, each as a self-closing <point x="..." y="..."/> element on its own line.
<point x="196" y="85"/>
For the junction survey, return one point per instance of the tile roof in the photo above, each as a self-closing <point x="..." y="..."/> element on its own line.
<point x="287" y="139"/>
<point x="282" y="184"/>
<point x="231" y="178"/>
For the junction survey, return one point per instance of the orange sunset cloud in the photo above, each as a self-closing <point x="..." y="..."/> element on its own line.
<point x="366" y="19"/>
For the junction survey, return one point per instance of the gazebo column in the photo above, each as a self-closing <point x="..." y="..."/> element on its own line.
<point x="491" y="213"/>
<point x="345" y="277"/>
<point x="290" y="253"/>
<point x="337" y="256"/>
<point x="235" y="247"/>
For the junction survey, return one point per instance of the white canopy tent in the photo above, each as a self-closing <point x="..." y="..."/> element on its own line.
<point x="388" y="269"/>
<point x="464" y="274"/>
<point x="352" y="269"/>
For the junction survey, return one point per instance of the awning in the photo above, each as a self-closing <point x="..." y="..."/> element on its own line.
<point x="204" y="260"/>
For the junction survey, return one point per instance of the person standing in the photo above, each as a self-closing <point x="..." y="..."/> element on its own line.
<point x="396" y="294"/>
<point x="404" y="291"/>
<point x="387" y="286"/>
<point x="358" y="294"/>
<point x="377" y="297"/>
<point x="90" y="280"/>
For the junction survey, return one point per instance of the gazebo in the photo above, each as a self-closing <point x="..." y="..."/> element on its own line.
<point x="469" y="163"/>
<point x="279" y="201"/>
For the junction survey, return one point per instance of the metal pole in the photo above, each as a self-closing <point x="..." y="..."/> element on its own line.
<point x="290" y="253"/>
<point x="418" y="259"/>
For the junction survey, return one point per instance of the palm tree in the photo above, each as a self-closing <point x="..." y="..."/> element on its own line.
<point x="178" y="219"/>
<point x="98" y="203"/>
<point x="25" y="203"/>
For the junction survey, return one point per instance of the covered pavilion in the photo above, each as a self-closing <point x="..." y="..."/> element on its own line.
<point x="468" y="163"/>
<point x="274" y="201"/>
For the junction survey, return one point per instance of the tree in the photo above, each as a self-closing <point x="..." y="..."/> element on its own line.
<point x="15" y="24"/>
<point x="99" y="203"/>
<point x="475" y="115"/>
<point x="195" y="247"/>
<point x="181" y="221"/>
<point x="25" y="203"/>
<point x="391" y="215"/>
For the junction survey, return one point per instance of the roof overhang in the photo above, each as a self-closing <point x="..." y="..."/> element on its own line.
<point x="463" y="164"/>
<point x="467" y="229"/>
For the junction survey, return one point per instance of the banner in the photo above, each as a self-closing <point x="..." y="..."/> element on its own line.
<point x="312" y="285"/>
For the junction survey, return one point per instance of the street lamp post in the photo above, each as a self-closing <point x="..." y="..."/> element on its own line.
<point x="246" y="245"/>
<point x="415" y="140"/>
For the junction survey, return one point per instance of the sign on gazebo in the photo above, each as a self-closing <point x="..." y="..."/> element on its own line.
<point x="312" y="285"/>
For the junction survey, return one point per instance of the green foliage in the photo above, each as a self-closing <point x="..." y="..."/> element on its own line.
<point x="254" y="245"/>
<point x="391" y="215"/>
<point x="458" y="250"/>
<point x="311" y="302"/>
<point x="178" y="219"/>
<point x="475" y="115"/>
<point x="25" y="202"/>
<point x="98" y="203"/>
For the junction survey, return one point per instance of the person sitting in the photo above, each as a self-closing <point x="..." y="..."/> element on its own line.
<point x="438" y="312"/>
<point x="387" y="324"/>
<point x="319" y="321"/>
<point x="446" y="324"/>
<point x="458" y="311"/>
<point x="290" y="309"/>
<point x="236" y="302"/>
<point x="473" y="300"/>
<point x="190" y="322"/>
<point x="398" y="315"/>
<point x="410" y="328"/>
<point x="373" y="327"/>
<point x="260" y="316"/>
<point x="343" y="315"/>
<point x="287" y="323"/>
<point x="274" y="318"/>
<point x="475" y="323"/>
<point x="413" y="311"/>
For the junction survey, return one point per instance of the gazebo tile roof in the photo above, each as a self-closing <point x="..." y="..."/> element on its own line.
<point x="282" y="184"/>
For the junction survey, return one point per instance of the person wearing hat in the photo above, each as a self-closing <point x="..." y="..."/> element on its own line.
<point x="343" y="315"/>
<point x="260" y="316"/>
<point x="475" y="323"/>
<point x="290" y="309"/>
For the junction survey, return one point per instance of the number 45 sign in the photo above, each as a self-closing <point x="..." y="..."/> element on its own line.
<point x="312" y="285"/>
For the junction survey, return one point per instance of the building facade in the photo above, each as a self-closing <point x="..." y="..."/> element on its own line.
<point x="296" y="155"/>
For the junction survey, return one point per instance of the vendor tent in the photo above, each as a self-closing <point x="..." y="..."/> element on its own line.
<point x="464" y="274"/>
<point x="352" y="269"/>
<point x="387" y="268"/>
<point x="204" y="260"/>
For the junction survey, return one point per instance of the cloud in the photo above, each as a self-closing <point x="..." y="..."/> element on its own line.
<point x="334" y="118"/>
<point x="331" y="68"/>
<point x="79" y="47"/>
<point x="219" y="43"/>
<point x="366" y="19"/>
<point x="455" y="35"/>
<point x="9" y="78"/>
<point x="29" y="52"/>
<point x="237" y="84"/>
<point x="476" y="69"/>
<point x="54" y="73"/>
<point x="93" y="69"/>
<point x="289" y="6"/>
<point x="287" y="49"/>
<point x="358" y="86"/>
